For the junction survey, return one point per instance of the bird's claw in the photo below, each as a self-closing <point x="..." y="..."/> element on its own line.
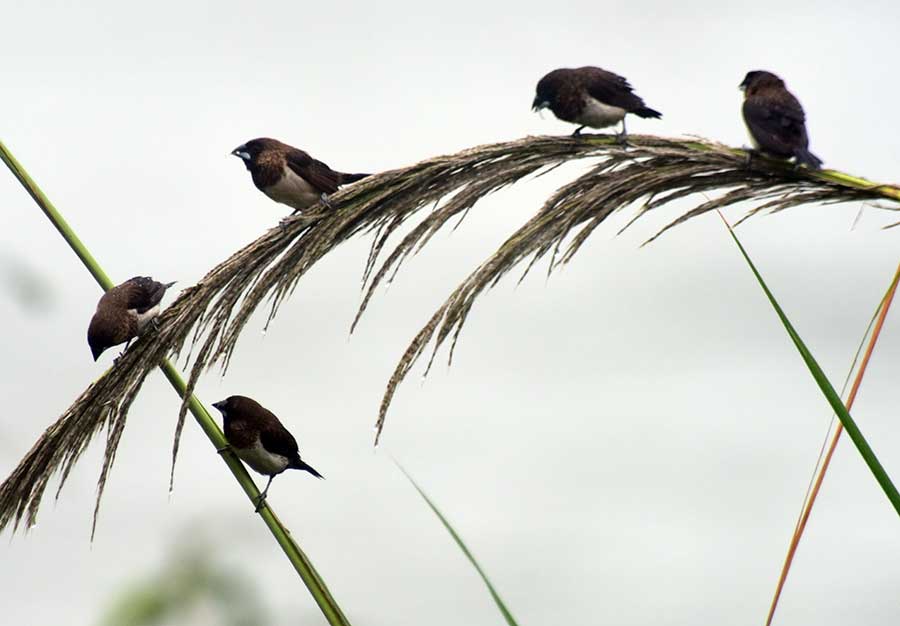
<point x="748" y="164"/>
<point x="260" y="502"/>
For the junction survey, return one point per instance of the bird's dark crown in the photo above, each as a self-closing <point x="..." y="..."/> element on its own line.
<point x="223" y="405"/>
<point x="760" y="78"/>
<point x="547" y="89"/>
<point x="237" y="404"/>
<point x="250" y="151"/>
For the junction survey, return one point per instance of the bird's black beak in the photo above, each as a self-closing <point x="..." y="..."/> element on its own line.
<point x="241" y="153"/>
<point x="220" y="405"/>
<point x="539" y="104"/>
<point x="96" y="352"/>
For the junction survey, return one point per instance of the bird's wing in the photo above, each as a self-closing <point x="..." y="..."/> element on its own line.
<point x="610" y="88"/>
<point x="276" y="439"/>
<point x="320" y="176"/>
<point x="143" y="293"/>
<point x="777" y="122"/>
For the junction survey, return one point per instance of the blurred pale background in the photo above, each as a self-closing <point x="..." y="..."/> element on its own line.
<point x="627" y="442"/>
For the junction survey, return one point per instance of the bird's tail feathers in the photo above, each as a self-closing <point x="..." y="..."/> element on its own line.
<point x="352" y="178"/>
<point x="647" y="112"/>
<point x="808" y="158"/>
<point x="300" y="465"/>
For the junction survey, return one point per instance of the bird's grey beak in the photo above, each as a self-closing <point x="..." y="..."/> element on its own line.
<point x="539" y="104"/>
<point x="241" y="153"/>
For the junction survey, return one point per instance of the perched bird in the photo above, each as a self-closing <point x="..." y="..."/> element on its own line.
<point x="589" y="96"/>
<point x="124" y="312"/>
<point x="288" y="175"/>
<point x="775" y="119"/>
<point x="260" y="440"/>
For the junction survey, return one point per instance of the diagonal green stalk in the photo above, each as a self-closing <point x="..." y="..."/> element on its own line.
<point x="831" y="395"/>
<point x="872" y="333"/>
<point x="462" y="546"/>
<point x="298" y="559"/>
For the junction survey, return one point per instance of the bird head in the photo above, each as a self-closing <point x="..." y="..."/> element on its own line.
<point x="548" y="88"/>
<point x="99" y="337"/>
<point x="238" y="407"/>
<point x="222" y="405"/>
<point x="539" y="103"/>
<point x="759" y="78"/>
<point x="96" y="349"/>
<point x="250" y="151"/>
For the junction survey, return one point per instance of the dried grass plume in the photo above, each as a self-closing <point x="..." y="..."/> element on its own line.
<point x="208" y="317"/>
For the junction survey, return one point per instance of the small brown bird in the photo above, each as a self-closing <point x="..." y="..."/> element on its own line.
<point x="775" y="119"/>
<point x="124" y="312"/>
<point x="589" y="96"/>
<point x="288" y="175"/>
<point x="260" y="440"/>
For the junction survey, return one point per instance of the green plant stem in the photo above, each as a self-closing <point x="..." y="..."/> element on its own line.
<point x="831" y="395"/>
<point x="298" y="559"/>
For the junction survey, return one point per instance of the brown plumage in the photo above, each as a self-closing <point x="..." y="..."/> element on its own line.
<point x="123" y="312"/>
<point x="289" y="175"/>
<point x="260" y="439"/>
<point x="775" y="119"/>
<point x="589" y="96"/>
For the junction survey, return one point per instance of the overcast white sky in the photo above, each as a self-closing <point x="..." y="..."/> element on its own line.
<point x="625" y="443"/>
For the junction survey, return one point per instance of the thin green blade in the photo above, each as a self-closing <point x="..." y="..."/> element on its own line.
<point x="462" y="546"/>
<point x="831" y="395"/>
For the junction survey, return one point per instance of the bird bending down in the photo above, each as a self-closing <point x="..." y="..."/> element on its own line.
<point x="124" y="312"/>
<point x="590" y="96"/>
<point x="289" y="175"/>
<point x="260" y="440"/>
<point x="775" y="120"/>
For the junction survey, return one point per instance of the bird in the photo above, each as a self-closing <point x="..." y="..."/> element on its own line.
<point x="289" y="175"/>
<point x="775" y="120"/>
<point x="590" y="96"/>
<point x="124" y="312"/>
<point x="260" y="440"/>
